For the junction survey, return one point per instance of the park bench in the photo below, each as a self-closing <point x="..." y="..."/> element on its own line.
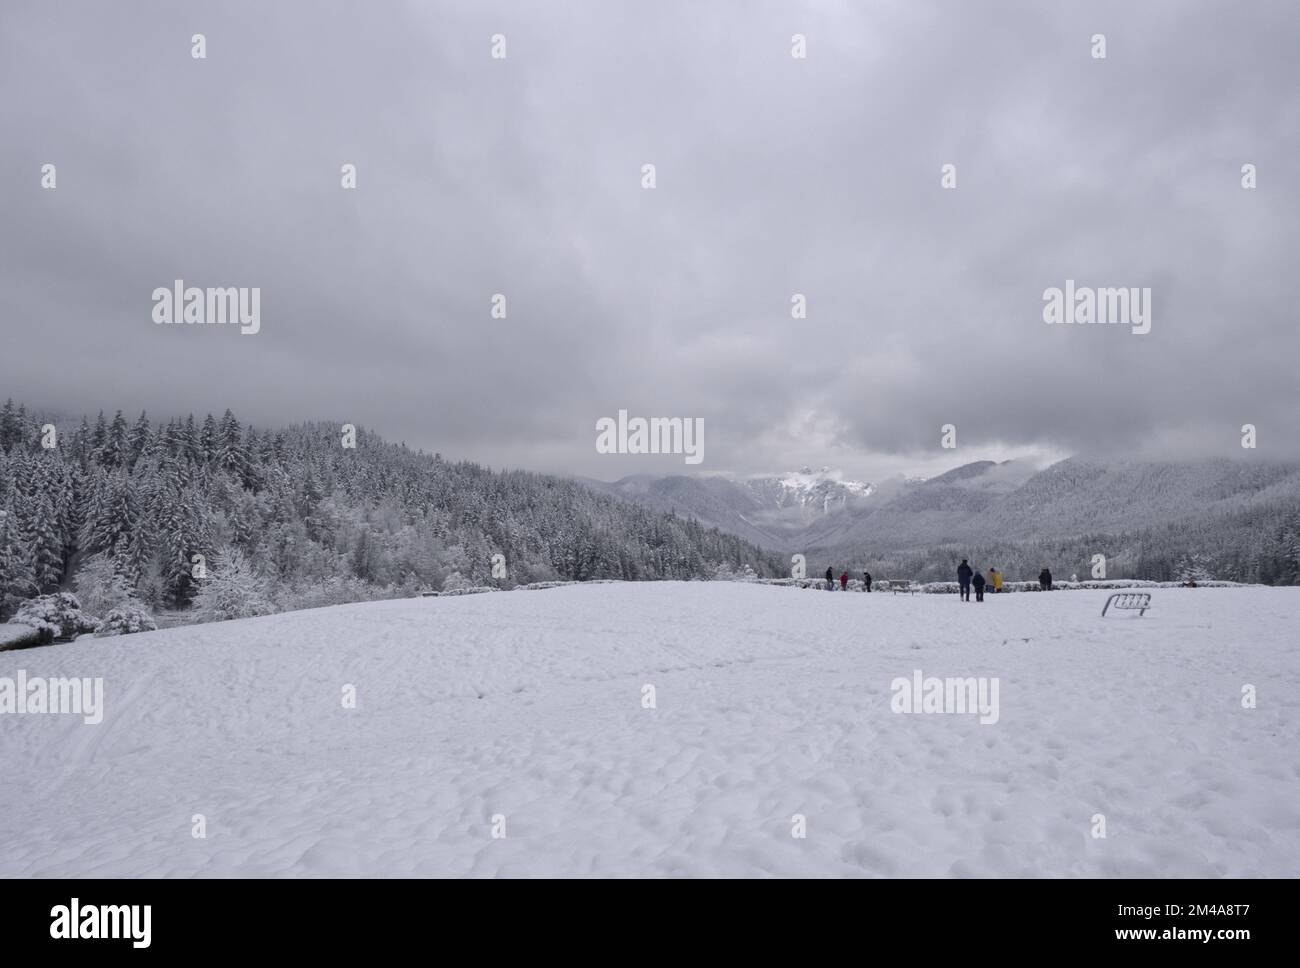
<point x="1129" y="600"/>
<point x="897" y="585"/>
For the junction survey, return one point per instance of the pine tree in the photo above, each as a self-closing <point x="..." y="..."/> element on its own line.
<point x="99" y="436"/>
<point x="191" y="446"/>
<point x="40" y="528"/>
<point x="113" y="452"/>
<point x="10" y="431"/>
<point x="112" y="519"/>
<point x="138" y="439"/>
<point x="208" y="439"/>
<point x="80" y="446"/>
<point x="230" y="448"/>
<point x="17" y="576"/>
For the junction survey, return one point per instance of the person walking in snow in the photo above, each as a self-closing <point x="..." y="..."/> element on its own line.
<point x="964" y="573"/>
<point x="1045" y="579"/>
<point x="844" y="581"/>
<point x="830" y="579"/>
<point x="997" y="579"/>
<point x="866" y="581"/>
<point x="978" y="582"/>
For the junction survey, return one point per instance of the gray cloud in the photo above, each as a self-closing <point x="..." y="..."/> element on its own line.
<point x="775" y="176"/>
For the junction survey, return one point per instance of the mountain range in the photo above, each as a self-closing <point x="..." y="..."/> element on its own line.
<point x="986" y="504"/>
<point x="772" y="511"/>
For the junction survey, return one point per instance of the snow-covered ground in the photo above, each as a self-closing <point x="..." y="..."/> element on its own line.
<point x="770" y="702"/>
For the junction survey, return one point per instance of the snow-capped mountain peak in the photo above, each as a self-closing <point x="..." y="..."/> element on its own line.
<point x="822" y="490"/>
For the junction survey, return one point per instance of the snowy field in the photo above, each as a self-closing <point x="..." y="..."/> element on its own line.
<point x="770" y="702"/>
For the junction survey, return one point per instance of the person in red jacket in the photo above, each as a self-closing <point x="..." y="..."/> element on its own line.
<point x="844" y="582"/>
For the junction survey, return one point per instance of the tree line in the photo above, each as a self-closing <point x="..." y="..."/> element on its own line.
<point x="1256" y="545"/>
<point x="211" y="515"/>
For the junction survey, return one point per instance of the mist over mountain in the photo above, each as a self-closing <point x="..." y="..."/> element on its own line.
<point x="775" y="511"/>
<point x="1150" y="519"/>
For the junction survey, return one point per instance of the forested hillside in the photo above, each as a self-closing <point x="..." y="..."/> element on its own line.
<point x="211" y="515"/>
<point x="1163" y="521"/>
<point x="1257" y="545"/>
<point x="1158" y="520"/>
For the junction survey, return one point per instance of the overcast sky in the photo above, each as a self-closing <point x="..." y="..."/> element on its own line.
<point x="775" y="176"/>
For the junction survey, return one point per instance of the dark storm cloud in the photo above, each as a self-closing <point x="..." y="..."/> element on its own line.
<point x="775" y="176"/>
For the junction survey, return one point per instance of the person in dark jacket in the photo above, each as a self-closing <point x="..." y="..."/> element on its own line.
<point x="844" y="581"/>
<point x="1045" y="580"/>
<point x="978" y="582"/>
<point x="830" y="580"/>
<point x="866" y="581"/>
<point x="964" y="573"/>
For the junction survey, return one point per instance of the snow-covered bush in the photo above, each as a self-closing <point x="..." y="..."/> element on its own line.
<point x="58" y="616"/>
<point x="455" y="582"/>
<point x="1193" y="568"/>
<point x="233" y="589"/>
<point x="531" y="571"/>
<point x="15" y="636"/>
<point x="100" y="587"/>
<point x="332" y="591"/>
<point x="125" y="620"/>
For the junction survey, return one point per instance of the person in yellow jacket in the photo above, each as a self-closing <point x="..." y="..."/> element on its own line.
<point x="995" y="579"/>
